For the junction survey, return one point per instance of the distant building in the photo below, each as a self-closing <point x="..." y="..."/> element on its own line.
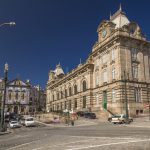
<point x="117" y="71"/>
<point x="22" y="97"/>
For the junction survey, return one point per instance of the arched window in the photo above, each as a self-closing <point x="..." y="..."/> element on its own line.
<point x="65" y="93"/>
<point x="75" y="89"/>
<point x="16" y="96"/>
<point x="84" y="86"/>
<point x="61" y="94"/>
<point x="9" y="95"/>
<point x="70" y="93"/>
<point x="22" y="95"/>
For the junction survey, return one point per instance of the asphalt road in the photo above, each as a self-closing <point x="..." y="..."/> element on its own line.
<point x="103" y="136"/>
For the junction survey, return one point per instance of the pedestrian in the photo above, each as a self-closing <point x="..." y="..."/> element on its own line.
<point x="72" y="120"/>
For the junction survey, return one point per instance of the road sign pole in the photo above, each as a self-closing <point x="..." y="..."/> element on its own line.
<point x="149" y="110"/>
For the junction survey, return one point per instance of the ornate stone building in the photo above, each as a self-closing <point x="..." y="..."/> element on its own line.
<point x="115" y="78"/>
<point x="22" y="97"/>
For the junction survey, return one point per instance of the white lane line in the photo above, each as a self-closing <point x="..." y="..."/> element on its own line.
<point x="70" y="143"/>
<point x="102" y="137"/>
<point x="21" y="145"/>
<point x="37" y="148"/>
<point x="139" y="126"/>
<point x="110" y="144"/>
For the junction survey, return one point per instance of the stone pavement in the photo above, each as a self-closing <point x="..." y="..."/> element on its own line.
<point x="79" y="122"/>
<point x="143" y="122"/>
<point x="137" y="122"/>
<point x="7" y="132"/>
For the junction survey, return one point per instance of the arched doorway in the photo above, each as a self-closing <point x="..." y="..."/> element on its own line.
<point x="16" y="109"/>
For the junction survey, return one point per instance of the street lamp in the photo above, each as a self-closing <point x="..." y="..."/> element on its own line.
<point x="126" y="78"/>
<point x="3" y="126"/>
<point x="2" y="121"/>
<point x="8" y="23"/>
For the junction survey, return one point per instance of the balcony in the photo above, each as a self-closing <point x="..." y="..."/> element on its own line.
<point x="135" y="60"/>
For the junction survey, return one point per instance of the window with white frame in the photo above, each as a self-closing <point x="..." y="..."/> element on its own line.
<point x="97" y="62"/>
<point x="105" y="76"/>
<point x="113" y="54"/>
<point x="97" y="99"/>
<point x="137" y="93"/>
<point x="104" y="58"/>
<point x="113" y="73"/>
<point x="97" y="78"/>
<point x="113" y="95"/>
<point x="135" y="71"/>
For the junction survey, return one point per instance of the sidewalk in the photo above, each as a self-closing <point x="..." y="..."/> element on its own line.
<point x="3" y="133"/>
<point x="79" y="122"/>
<point x="142" y="122"/>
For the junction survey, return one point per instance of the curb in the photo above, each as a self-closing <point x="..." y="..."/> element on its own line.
<point x="3" y="133"/>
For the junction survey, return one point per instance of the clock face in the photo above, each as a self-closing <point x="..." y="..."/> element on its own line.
<point x="104" y="33"/>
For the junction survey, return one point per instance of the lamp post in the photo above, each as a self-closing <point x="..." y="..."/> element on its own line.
<point x="3" y="127"/>
<point x="2" y="121"/>
<point x="126" y="99"/>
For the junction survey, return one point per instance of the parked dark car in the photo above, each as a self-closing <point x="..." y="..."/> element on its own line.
<point x="90" y="115"/>
<point x="80" y="113"/>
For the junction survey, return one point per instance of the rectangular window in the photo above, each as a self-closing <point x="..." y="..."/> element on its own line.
<point x="137" y="94"/>
<point x="104" y="58"/>
<point x="105" y="76"/>
<point x="113" y="55"/>
<point x="113" y="95"/>
<point x="75" y="103"/>
<point x="97" y="99"/>
<point x="65" y="104"/>
<point x="84" y="101"/>
<point x="135" y="71"/>
<point x="113" y="73"/>
<point x="133" y="54"/>
<point x="69" y="105"/>
<point x="97" y="78"/>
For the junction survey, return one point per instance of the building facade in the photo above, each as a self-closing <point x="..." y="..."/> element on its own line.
<point x="114" y="79"/>
<point x="22" y="97"/>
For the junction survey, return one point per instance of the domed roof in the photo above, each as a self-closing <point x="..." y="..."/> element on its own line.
<point x="59" y="71"/>
<point x="119" y="18"/>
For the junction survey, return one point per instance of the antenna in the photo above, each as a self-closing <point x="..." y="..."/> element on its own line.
<point x="80" y="61"/>
<point x="120" y="7"/>
<point x="110" y="16"/>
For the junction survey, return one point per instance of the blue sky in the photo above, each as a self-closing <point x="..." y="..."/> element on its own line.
<point x="51" y="31"/>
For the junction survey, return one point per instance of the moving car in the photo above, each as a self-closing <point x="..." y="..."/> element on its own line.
<point x="120" y="118"/>
<point x="29" y="122"/>
<point x="14" y="124"/>
<point x="90" y="115"/>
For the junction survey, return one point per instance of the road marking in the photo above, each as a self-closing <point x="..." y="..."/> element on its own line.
<point x="70" y="143"/>
<point x="139" y="126"/>
<point x="37" y="148"/>
<point x="103" y="137"/>
<point x="21" y="145"/>
<point x="110" y="144"/>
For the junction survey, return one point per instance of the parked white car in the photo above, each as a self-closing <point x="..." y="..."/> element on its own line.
<point x="120" y="118"/>
<point x="29" y="122"/>
<point x="14" y="124"/>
